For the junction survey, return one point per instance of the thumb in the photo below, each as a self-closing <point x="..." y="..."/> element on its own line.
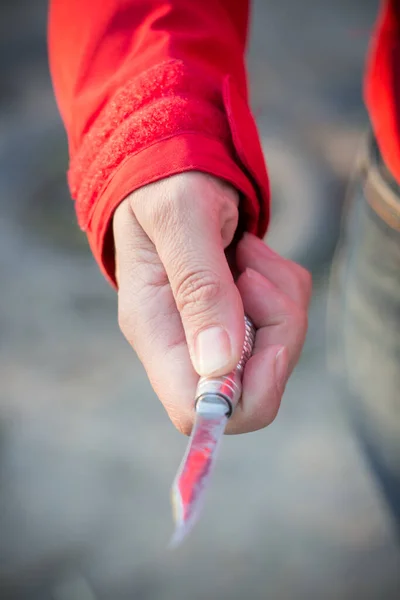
<point x="189" y="235"/>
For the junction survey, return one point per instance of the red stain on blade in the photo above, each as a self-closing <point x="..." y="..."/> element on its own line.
<point x="194" y="473"/>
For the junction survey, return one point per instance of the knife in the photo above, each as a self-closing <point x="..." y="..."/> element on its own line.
<point x="215" y="401"/>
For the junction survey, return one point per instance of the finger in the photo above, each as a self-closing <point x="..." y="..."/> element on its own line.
<point x="263" y="385"/>
<point x="150" y="321"/>
<point x="193" y="255"/>
<point x="281" y="329"/>
<point x="278" y="320"/>
<point x="288" y="276"/>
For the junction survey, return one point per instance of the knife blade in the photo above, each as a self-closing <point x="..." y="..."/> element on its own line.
<point x="216" y="399"/>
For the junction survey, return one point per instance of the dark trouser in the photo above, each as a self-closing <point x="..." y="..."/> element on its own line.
<point x="364" y="318"/>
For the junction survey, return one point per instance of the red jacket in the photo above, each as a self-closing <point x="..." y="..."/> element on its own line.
<point x="150" y="88"/>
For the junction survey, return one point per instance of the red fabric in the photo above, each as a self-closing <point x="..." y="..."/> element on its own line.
<point x="150" y="88"/>
<point x="382" y="85"/>
<point x="147" y="89"/>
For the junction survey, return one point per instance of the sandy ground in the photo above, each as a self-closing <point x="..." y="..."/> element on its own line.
<point x="87" y="454"/>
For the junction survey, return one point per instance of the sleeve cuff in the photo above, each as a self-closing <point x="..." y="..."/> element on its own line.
<point x="186" y="152"/>
<point x="168" y="126"/>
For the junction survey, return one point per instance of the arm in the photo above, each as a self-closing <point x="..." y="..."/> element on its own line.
<point x="381" y="86"/>
<point x="147" y="89"/>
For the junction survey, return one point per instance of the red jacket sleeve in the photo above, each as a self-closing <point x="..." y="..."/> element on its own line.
<point x="147" y="89"/>
<point x="382" y="84"/>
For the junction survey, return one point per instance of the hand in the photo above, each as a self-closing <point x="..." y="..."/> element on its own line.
<point x="181" y="310"/>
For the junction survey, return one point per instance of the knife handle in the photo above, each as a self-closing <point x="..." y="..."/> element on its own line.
<point x="227" y="388"/>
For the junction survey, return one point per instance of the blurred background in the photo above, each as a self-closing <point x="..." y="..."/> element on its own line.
<point x="87" y="454"/>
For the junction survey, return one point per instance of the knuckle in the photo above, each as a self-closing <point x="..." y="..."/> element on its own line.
<point x="196" y="291"/>
<point x="164" y="214"/>
<point x="299" y="283"/>
<point x="155" y="207"/>
<point x="300" y="324"/>
<point x="286" y="312"/>
<point x="293" y="319"/>
<point x="299" y="316"/>
<point x="173" y="204"/>
<point x="304" y="279"/>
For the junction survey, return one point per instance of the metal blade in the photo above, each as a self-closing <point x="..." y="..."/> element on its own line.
<point x="196" y="468"/>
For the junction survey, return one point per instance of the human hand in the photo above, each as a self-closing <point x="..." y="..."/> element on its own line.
<point x="181" y="310"/>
